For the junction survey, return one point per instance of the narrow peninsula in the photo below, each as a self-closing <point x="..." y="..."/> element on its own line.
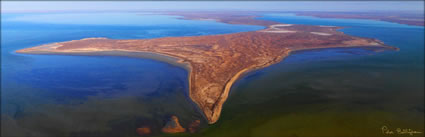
<point x="215" y="62"/>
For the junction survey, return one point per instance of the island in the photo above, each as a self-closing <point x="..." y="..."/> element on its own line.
<point x="215" y="62"/>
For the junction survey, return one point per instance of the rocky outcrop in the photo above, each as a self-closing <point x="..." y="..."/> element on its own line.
<point x="173" y="126"/>
<point x="144" y="131"/>
<point x="194" y="126"/>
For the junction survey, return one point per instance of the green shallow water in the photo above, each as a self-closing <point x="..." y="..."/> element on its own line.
<point x="332" y="92"/>
<point x="320" y="98"/>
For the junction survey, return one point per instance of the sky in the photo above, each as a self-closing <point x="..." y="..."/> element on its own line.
<point x="43" y="6"/>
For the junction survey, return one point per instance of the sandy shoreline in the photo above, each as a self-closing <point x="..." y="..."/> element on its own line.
<point x="176" y="61"/>
<point x="170" y="60"/>
<point x="132" y="54"/>
<point x="209" y="90"/>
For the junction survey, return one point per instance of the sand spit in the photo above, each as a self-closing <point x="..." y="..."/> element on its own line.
<point x="215" y="62"/>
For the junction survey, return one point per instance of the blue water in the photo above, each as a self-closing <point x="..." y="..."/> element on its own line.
<point x="102" y="95"/>
<point x="26" y="30"/>
<point x="408" y="38"/>
<point x="61" y="89"/>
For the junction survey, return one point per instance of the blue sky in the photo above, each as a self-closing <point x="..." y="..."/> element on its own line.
<point x="23" y="6"/>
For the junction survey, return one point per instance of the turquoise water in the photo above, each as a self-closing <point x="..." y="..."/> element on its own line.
<point x="332" y="92"/>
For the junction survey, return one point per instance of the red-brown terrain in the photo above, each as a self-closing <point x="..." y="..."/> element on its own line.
<point x="217" y="61"/>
